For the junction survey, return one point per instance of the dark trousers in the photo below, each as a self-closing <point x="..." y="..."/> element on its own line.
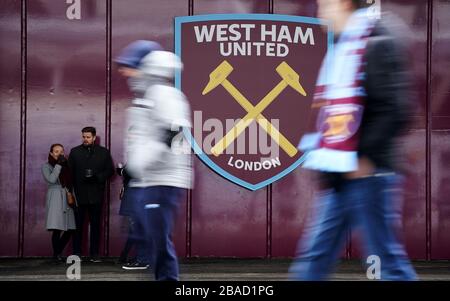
<point x="94" y="211"/>
<point x="135" y="228"/>
<point x="136" y="239"/>
<point x="59" y="241"/>
<point x="156" y="209"/>
<point x="130" y="242"/>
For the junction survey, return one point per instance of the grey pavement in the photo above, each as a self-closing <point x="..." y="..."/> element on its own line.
<point x="197" y="269"/>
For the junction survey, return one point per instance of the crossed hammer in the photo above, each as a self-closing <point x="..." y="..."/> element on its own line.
<point x="288" y="78"/>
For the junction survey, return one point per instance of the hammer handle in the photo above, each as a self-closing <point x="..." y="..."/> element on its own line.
<point x="278" y="137"/>
<point x="247" y="119"/>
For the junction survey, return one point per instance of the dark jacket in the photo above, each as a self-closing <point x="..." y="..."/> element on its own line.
<point x="98" y="159"/>
<point x="388" y="104"/>
<point x="389" y="100"/>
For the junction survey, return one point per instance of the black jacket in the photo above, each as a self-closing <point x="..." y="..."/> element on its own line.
<point x="389" y="101"/>
<point x="97" y="158"/>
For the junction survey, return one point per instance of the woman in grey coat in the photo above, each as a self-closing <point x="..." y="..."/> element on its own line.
<point x="60" y="216"/>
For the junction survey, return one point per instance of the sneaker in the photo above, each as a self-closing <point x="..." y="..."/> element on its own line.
<point x="135" y="266"/>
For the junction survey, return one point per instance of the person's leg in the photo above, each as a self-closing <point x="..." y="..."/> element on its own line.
<point x="379" y="215"/>
<point x="55" y="242"/>
<point x="143" y="245"/>
<point x="161" y="210"/>
<point x="137" y="238"/>
<point x="65" y="238"/>
<point x="126" y="210"/>
<point x="95" y="217"/>
<point x="130" y="242"/>
<point x="324" y="237"/>
<point x="138" y="235"/>
<point x="80" y="213"/>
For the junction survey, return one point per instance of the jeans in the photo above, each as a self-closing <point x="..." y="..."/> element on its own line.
<point x="156" y="209"/>
<point x="371" y="205"/>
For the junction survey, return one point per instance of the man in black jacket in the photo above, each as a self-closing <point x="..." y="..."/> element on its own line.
<point x="91" y="166"/>
<point x="365" y="104"/>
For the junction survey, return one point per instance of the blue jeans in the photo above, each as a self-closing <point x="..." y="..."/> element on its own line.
<point x="369" y="205"/>
<point x="156" y="209"/>
<point x="133" y="197"/>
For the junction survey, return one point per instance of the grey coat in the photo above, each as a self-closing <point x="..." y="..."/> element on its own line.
<point x="59" y="215"/>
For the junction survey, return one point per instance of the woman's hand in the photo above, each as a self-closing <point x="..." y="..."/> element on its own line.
<point x="61" y="160"/>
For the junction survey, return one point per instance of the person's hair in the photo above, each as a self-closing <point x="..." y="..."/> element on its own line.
<point x="55" y="145"/>
<point x="89" y="129"/>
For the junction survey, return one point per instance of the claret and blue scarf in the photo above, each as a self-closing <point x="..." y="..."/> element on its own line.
<point x="340" y="96"/>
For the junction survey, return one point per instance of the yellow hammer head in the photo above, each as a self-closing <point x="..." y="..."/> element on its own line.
<point x="217" y="76"/>
<point x="290" y="77"/>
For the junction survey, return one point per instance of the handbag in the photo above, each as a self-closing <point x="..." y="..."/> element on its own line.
<point x="70" y="198"/>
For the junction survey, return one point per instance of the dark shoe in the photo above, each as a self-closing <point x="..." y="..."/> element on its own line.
<point x="127" y="261"/>
<point x="135" y="266"/>
<point x="79" y="258"/>
<point x="56" y="259"/>
<point x="95" y="259"/>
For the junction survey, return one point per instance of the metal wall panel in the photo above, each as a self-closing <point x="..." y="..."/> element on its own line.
<point x="440" y="131"/>
<point x="66" y="67"/>
<point x="412" y="147"/>
<point x="293" y="195"/>
<point x="142" y="20"/>
<point x="227" y="220"/>
<point x="68" y="86"/>
<point x="306" y="8"/>
<point x="10" y="108"/>
<point x="230" y="7"/>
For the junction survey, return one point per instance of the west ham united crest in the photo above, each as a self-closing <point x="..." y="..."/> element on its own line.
<point x="250" y="81"/>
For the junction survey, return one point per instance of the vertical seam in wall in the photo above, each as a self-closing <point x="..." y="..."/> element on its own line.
<point x="428" y="127"/>
<point x="189" y="192"/>
<point x="269" y="221"/>
<point x="190" y="7"/>
<point x="108" y="117"/>
<point x="23" y="126"/>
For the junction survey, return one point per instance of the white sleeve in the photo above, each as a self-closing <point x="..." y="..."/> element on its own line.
<point x="142" y="146"/>
<point x="142" y="156"/>
<point x="173" y="108"/>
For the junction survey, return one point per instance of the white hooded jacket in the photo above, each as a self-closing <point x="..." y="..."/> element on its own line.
<point x="150" y="160"/>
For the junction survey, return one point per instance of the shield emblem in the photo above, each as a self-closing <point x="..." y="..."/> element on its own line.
<point x="250" y="80"/>
<point x="339" y="122"/>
